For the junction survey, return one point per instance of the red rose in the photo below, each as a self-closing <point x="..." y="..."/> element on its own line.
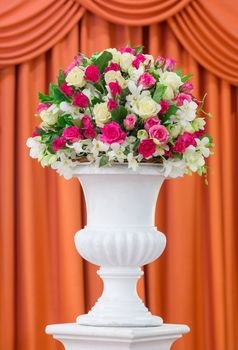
<point x="80" y="100"/>
<point x="90" y="133"/>
<point x="115" y="88"/>
<point x="72" y="134"/>
<point x="147" y="148"/>
<point x="87" y="121"/>
<point x="111" y="104"/>
<point x="58" y="142"/>
<point x="112" y="132"/>
<point x="92" y="74"/>
<point x="67" y="90"/>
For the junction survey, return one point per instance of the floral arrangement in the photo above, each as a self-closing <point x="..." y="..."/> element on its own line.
<point x="121" y="105"/>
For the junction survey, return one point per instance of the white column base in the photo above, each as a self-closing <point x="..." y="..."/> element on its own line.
<point x="77" y="337"/>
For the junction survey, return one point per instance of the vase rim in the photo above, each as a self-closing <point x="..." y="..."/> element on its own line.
<point x="143" y="169"/>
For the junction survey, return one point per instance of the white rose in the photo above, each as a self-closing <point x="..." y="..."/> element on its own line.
<point x="172" y="81"/>
<point x="101" y="113"/>
<point x="113" y="75"/>
<point x="145" y="107"/>
<point x="115" y="55"/>
<point x="169" y="93"/>
<point x="126" y="61"/>
<point x="49" y="117"/>
<point x="76" y="77"/>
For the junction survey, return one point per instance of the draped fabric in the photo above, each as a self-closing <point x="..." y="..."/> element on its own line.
<point x="43" y="279"/>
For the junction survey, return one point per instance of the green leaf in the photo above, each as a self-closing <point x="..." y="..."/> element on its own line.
<point x="138" y="49"/>
<point x="186" y="77"/>
<point x="136" y="145"/>
<point x="103" y="161"/>
<point x="64" y="120"/>
<point x="77" y="122"/>
<point x="179" y="72"/>
<point x="44" y="98"/>
<point x="171" y="111"/>
<point x="40" y="131"/>
<point x="159" y="92"/>
<point x="46" y="138"/>
<point x="118" y="114"/>
<point x="61" y="77"/>
<point x="95" y="100"/>
<point x="57" y="94"/>
<point x="102" y="60"/>
<point x="177" y="155"/>
<point x="52" y="88"/>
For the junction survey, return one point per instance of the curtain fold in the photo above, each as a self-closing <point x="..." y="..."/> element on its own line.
<point x="35" y="27"/>
<point x="44" y="280"/>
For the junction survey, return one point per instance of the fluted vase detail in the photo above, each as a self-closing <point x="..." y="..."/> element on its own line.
<point x="120" y="237"/>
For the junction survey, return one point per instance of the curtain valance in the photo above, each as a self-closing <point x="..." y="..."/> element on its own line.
<point x="208" y="30"/>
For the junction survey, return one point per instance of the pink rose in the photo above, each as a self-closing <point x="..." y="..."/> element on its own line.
<point x="129" y="121"/>
<point x="126" y="49"/>
<point x="146" y="80"/>
<point x="140" y="58"/>
<point x="80" y="100"/>
<point x="41" y="107"/>
<point x="115" y="88"/>
<point x="112" y="66"/>
<point x="160" y="133"/>
<point x="112" y="132"/>
<point x="147" y="148"/>
<point x="77" y="60"/>
<point x="170" y="63"/>
<point x="164" y="106"/>
<point x="72" y="134"/>
<point x="151" y="122"/>
<point x="92" y="74"/>
<point x="87" y="121"/>
<point x="67" y="90"/>
<point x="111" y="104"/>
<point x="90" y="133"/>
<point x="160" y="61"/>
<point x="180" y="98"/>
<point x="179" y="147"/>
<point x="186" y="87"/>
<point x="58" y="142"/>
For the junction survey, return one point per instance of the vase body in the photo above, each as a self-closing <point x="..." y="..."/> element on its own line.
<point x="120" y="237"/>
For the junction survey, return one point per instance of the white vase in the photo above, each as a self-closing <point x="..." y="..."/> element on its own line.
<point x="120" y="236"/>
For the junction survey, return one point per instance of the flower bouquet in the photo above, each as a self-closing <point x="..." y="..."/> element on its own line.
<point x="121" y="105"/>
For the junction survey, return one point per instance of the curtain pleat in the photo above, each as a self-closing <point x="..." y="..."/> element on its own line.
<point x="43" y="279"/>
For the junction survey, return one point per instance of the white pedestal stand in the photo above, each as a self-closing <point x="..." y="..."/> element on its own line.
<point x="120" y="236"/>
<point x="77" y="337"/>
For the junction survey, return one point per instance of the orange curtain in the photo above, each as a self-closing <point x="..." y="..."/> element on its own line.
<point x="43" y="279"/>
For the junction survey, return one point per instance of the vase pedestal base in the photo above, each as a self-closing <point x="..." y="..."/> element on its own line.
<point x="77" y="337"/>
